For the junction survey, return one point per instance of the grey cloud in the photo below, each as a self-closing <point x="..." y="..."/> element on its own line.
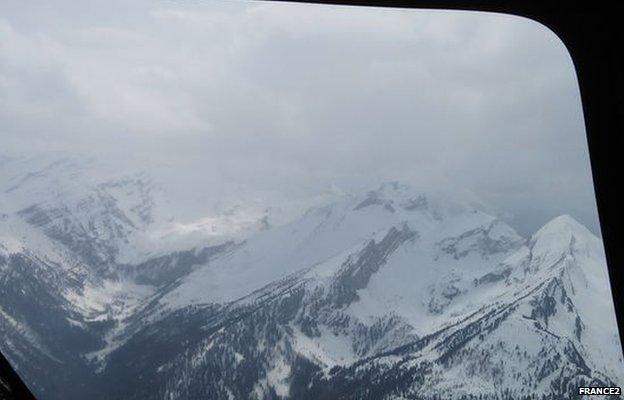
<point x="292" y="97"/>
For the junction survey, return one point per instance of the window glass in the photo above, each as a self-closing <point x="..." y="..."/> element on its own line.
<point x="255" y="200"/>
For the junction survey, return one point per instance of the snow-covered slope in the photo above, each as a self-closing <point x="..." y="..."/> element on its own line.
<point x="105" y="215"/>
<point x="387" y="295"/>
<point x="540" y="332"/>
<point x="446" y="231"/>
<point x="396" y="293"/>
<point x="81" y="245"/>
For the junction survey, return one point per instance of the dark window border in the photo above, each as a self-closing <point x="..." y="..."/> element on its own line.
<point x="591" y="34"/>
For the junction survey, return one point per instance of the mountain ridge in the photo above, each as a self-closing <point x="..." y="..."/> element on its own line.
<point x="390" y="294"/>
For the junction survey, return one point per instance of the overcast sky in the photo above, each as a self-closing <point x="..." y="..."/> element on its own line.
<point x="292" y="97"/>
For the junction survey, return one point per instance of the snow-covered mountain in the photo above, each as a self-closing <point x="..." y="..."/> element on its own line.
<point x="104" y="217"/>
<point x="392" y="294"/>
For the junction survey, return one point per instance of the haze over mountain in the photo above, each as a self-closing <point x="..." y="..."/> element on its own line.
<point x="393" y="293"/>
<point x="289" y="98"/>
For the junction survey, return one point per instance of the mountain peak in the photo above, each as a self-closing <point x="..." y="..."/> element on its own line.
<point x="562" y="225"/>
<point x="564" y="234"/>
